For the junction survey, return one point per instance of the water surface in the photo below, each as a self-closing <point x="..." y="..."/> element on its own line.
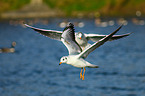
<point x="33" y="69"/>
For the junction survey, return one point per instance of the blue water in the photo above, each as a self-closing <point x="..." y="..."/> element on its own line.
<point x="33" y="69"/>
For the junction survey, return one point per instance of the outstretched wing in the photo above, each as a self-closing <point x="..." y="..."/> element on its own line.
<point x="97" y="37"/>
<point x="49" y="33"/>
<point x="97" y="44"/>
<point x="68" y="39"/>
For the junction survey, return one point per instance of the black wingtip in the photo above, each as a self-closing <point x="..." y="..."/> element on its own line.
<point x="70" y="24"/>
<point x="120" y="27"/>
<point x="24" y="23"/>
<point x="130" y="33"/>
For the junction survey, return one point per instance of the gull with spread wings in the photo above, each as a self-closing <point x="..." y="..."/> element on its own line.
<point x="76" y="56"/>
<point x="81" y="38"/>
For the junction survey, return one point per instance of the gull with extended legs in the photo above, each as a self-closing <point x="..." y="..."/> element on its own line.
<point x="77" y="56"/>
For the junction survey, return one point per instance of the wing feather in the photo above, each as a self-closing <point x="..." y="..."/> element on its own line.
<point x="97" y="44"/>
<point x="97" y="37"/>
<point x="68" y="39"/>
<point x="49" y="33"/>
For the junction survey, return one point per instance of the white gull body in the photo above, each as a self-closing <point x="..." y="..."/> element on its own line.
<point x="76" y="56"/>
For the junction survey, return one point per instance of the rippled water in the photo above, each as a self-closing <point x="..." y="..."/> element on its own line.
<point x="33" y="69"/>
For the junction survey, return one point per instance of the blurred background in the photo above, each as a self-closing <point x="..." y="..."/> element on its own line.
<point x="72" y="8"/>
<point x="29" y="61"/>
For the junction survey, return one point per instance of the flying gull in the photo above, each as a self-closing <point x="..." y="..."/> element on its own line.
<point x="77" y="56"/>
<point x="81" y="38"/>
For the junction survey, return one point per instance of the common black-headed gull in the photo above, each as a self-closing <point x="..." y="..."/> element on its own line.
<point x="76" y="56"/>
<point x="81" y="38"/>
<point x="9" y="50"/>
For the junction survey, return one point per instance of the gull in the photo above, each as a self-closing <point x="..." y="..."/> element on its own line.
<point x="76" y="56"/>
<point x="9" y="50"/>
<point x="81" y="38"/>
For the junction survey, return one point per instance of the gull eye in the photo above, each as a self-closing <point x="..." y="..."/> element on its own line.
<point x="65" y="58"/>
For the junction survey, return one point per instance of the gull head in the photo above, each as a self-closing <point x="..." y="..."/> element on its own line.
<point x="80" y="35"/>
<point x="81" y="39"/>
<point x="63" y="59"/>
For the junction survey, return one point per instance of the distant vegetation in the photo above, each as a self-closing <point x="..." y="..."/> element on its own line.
<point x="70" y="7"/>
<point x="6" y="5"/>
<point x="106" y="7"/>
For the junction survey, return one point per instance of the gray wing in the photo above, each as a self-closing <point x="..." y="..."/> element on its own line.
<point x="49" y="33"/>
<point x="68" y="39"/>
<point x="97" y="44"/>
<point x="97" y="37"/>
